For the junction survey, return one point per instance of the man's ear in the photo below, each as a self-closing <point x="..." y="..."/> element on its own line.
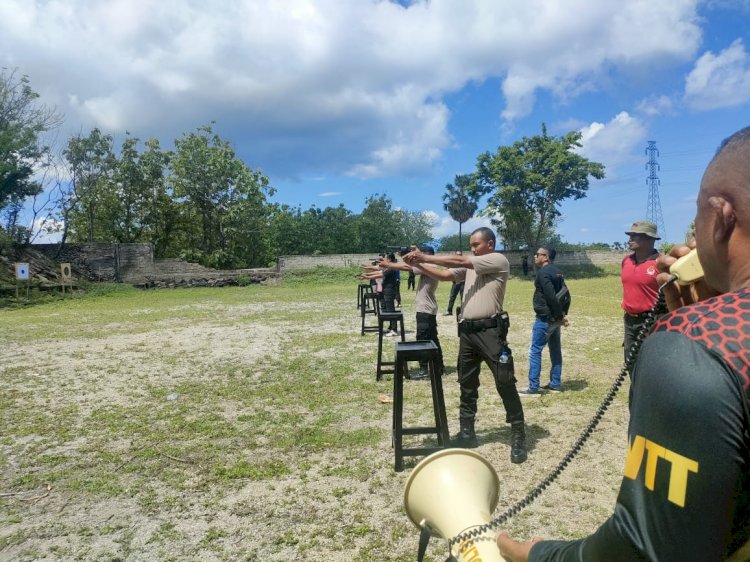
<point x="725" y="218"/>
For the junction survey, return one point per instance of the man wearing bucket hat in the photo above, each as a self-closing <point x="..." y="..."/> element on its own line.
<point x="638" y="274"/>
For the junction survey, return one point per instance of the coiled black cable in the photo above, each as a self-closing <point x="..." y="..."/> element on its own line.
<point x="630" y="358"/>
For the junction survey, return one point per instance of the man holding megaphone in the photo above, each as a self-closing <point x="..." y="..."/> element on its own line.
<point x="685" y="494"/>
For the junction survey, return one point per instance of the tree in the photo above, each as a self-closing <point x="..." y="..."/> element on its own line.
<point x="87" y="207"/>
<point x="22" y="122"/>
<point x="527" y="183"/>
<point x="160" y="211"/>
<point x="378" y="226"/>
<point x="460" y="201"/>
<point x="223" y="202"/>
<point x="416" y="227"/>
<point x="450" y="243"/>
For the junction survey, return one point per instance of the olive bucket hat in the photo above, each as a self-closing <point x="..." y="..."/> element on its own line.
<point x="644" y="227"/>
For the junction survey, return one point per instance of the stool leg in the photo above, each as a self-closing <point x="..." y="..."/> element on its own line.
<point x="398" y="402"/>
<point x="365" y="312"/>
<point x="379" y="371"/>
<point x="438" y="405"/>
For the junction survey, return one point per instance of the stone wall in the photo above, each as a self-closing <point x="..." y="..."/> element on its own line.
<point x="135" y="264"/>
<point x="595" y="258"/>
<point x="95" y="261"/>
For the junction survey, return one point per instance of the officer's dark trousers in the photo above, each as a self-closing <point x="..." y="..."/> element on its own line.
<point x="475" y="348"/>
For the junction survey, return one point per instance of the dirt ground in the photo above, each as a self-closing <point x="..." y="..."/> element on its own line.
<point x="118" y="429"/>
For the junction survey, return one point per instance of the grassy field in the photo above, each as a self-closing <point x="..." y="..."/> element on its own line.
<point x="244" y="424"/>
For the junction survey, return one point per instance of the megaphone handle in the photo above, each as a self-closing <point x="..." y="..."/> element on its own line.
<point x="424" y="538"/>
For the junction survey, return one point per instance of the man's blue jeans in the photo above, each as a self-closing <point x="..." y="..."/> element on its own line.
<point x="540" y="338"/>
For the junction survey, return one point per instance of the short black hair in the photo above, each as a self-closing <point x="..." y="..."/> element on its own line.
<point x="427" y="250"/>
<point x="487" y="234"/>
<point x="551" y="253"/>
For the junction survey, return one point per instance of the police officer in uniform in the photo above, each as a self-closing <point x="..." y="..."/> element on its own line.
<point x="483" y="330"/>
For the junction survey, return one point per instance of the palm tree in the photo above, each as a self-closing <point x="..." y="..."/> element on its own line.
<point x="460" y="202"/>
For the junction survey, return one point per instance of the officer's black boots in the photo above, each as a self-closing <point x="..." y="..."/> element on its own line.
<point x="466" y="438"/>
<point x="517" y="443"/>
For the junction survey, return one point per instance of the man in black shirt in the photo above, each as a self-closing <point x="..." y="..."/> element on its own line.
<point x="685" y="492"/>
<point x="550" y="315"/>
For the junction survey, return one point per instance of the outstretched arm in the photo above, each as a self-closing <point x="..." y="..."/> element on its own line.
<point x="401" y="266"/>
<point x="435" y="272"/>
<point x="416" y="257"/>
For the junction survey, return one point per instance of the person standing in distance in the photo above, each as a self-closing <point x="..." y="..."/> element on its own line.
<point x="638" y="274"/>
<point x="389" y="276"/>
<point x="685" y="493"/>
<point x="483" y="330"/>
<point x="550" y="316"/>
<point x="457" y="288"/>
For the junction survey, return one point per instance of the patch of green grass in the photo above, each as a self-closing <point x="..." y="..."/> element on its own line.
<point x="321" y="275"/>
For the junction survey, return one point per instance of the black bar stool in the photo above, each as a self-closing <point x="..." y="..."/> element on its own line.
<point x="417" y="351"/>
<point x="363" y="288"/>
<point x="387" y="367"/>
<point x="370" y="305"/>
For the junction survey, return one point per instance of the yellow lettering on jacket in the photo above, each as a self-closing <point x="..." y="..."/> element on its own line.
<point x="680" y="467"/>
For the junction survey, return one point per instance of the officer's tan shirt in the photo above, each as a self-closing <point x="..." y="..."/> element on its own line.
<point x="424" y="299"/>
<point x="484" y="291"/>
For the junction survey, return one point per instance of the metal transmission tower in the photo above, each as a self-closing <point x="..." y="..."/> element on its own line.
<point x="653" y="210"/>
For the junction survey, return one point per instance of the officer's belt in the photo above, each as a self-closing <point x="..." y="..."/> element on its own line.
<point x="478" y="325"/>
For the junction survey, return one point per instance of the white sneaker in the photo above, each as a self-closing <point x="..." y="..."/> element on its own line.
<point x="390" y="334"/>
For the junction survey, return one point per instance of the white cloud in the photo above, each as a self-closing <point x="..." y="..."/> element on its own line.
<point x="446" y="226"/>
<point x="721" y="80"/>
<point x="47" y="231"/>
<point x="655" y="105"/>
<point x="329" y="194"/>
<point x="613" y="143"/>
<point x="329" y="85"/>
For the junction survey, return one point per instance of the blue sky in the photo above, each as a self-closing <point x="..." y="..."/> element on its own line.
<point x="336" y="100"/>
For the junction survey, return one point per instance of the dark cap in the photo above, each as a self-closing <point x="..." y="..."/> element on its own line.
<point x="644" y="227"/>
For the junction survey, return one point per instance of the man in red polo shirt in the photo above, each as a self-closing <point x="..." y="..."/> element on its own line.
<point x="639" y="286"/>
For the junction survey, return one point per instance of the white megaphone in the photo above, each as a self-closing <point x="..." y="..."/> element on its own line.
<point x="451" y="492"/>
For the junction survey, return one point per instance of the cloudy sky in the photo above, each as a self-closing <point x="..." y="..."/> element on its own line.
<point x="337" y="100"/>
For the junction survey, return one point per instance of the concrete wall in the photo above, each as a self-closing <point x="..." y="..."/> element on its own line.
<point x="102" y="261"/>
<point x="596" y="258"/>
<point x="135" y="264"/>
